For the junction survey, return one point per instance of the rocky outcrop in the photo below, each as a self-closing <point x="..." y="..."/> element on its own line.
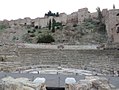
<point x="10" y="83"/>
<point x="90" y="83"/>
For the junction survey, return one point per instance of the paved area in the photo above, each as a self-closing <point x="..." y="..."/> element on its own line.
<point x="53" y="80"/>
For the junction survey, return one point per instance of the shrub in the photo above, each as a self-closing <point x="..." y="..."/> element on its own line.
<point x="45" y="39"/>
<point x="2" y="26"/>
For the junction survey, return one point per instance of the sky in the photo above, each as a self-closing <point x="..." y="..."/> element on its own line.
<point x="14" y="9"/>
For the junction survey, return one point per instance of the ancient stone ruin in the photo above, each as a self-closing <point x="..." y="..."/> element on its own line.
<point x="10" y="83"/>
<point x="90" y="83"/>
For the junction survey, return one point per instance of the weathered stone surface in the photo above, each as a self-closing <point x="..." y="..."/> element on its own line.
<point x="90" y="83"/>
<point x="10" y="83"/>
<point x="99" y="83"/>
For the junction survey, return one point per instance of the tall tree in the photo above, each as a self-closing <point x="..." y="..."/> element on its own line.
<point x="113" y="6"/>
<point x="49" y="26"/>
<point x="102" y="26"/>
<point x="49" y="13"/>
<point x="53" y="25"/>
<point x="100" y="17"/>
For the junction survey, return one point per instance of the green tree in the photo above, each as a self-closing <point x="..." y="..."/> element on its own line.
<point x="100" y="17"/>
<point x="57" y="14"/>
<point x="49" y="13"/>
<point x="53" y="25"/>
<point x="101" y="26"/>
<point x="52" y="14"/>
<point x="3" y="26"/>
<point x="49" y="26"/>
<point x="113" y="6"/>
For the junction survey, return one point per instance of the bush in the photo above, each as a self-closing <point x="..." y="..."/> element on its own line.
<point x="2" y="26"/>
<point x="45" y="39"/>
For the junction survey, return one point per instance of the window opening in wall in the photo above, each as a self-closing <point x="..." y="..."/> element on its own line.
<point x="36" y="27"/>
<point x="25" y="24"/>
<point x="117" y="29"/>
<point x="117" y="24"/>
<point x="118" y="14"/>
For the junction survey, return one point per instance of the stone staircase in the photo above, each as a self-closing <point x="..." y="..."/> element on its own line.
<point x="96" y="59"/>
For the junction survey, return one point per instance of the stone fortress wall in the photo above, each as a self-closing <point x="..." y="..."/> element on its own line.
<point x="73" y="18"/>
<point x="110" y="18"/>
<point x="112" y="24"/>
<point x="39" y="21"/>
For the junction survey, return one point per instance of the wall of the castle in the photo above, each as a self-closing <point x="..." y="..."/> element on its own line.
<point x="22" y="21"/>
<point x="105" y="15"/>
<point x="43" y="22"/>
<point x="110" y="19"/>
<point x="116" y="35"/>
<point x="11" y="23"/>
<point x="63" y="18"/>
<point x="111" y="25"/>
<point x="25" y="21"/>
<point x="72" y="18"/>
<point x="93" y="15"/>
<point x="28" y="21"/>
<point x="19" y="21"/>
<point x="83" y="14"/>
<point x="36" y="21"/>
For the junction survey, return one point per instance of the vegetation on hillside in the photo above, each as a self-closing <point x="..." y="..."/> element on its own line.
<point x="89" y="31"/>
<point x="45" y="38"/>
<point x="94" y="28"/>
<point x="101" y="25"/>
<point x="53" y="25"/>
<point x="38" y="36"/>
<point x="3" y="26"/>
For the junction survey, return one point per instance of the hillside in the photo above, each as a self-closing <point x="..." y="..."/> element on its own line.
<point x="88" y="32"/>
